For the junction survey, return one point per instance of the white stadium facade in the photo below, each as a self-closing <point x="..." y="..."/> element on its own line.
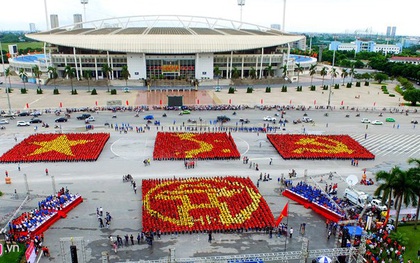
<point x="165" y="46"/>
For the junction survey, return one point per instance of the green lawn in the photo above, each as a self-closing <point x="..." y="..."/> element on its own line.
<point x="413" y="236"/>
<point x="15" y="257"/>
<point x="23" y="45"/>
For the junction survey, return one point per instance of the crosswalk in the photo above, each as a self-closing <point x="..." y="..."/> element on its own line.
<point x="399" y="145"/>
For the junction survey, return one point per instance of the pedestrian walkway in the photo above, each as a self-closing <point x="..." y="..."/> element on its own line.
<point x="401" y="145"/>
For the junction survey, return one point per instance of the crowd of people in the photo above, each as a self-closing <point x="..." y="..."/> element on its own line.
<point x="206" y="145"/>
<point x="314" y="147"/>
<point x="247" y="209"/>
<point x="27" y="223"/>
<point x="315" y="195"/>
<point x="29" y="149"/>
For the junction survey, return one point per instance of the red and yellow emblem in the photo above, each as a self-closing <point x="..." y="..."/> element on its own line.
<point x="203" y="204"/>
<point x="57" y="147"/>
<point x="179" y="145"/>
<point x="296" y="146"/>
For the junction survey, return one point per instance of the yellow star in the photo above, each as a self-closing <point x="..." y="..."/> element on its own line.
<point x="60" y="144"/>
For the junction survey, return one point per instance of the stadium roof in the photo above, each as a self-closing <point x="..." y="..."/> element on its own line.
<point x="165" y="35"/>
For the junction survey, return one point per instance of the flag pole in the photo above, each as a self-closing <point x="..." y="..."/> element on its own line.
<point x="287" y="223"/>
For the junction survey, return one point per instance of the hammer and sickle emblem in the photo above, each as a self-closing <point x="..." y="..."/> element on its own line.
<point x="213" y="192"/>
<point x="331" y="146"/>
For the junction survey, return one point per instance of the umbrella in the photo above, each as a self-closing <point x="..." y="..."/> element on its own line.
<point x="323" y="259"/>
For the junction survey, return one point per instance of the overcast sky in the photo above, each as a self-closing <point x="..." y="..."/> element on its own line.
<point x="331" y="16"/>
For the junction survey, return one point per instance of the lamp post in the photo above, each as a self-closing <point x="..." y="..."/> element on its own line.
<point x="329" y="94"/>
<point x="241" y="3"/>
<point x="5" y="78"/>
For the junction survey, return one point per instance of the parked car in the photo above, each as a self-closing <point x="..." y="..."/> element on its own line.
<point x="185" y="112"/>
<point x="22" y="123"/>
<point x="36" y="113"/>
<point x="89" y="119"/>
<point x="390" y="119"/>
<point x="223" y="118"/>
<point x="307" y="119"/>
<point x="23" y="114"/>
<point x="84" y="116"/>
<point x="61" y="119"/>
<point x="244" y="120"/>
<point x="4" y="121"/>
<point x="269" y="118"/>
<point x="365" y="120"/>
<point x="35" y="121"/>
<point x="377" y="122"/>
<point x="148" y="117"/>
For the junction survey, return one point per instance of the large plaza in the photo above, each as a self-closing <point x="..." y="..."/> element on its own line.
<point x="101" y="185"/>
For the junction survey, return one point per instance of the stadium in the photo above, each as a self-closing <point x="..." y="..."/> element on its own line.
<point x="166" y="47"/>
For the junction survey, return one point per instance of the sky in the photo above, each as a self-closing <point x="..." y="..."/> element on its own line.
<point x="323" y="16"/>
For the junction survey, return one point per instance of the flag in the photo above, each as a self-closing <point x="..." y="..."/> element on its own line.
<point x="282" y="214"/>
<point x="387" y="217"/>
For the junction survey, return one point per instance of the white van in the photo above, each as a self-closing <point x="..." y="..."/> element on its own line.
<point x="356" y="197"/>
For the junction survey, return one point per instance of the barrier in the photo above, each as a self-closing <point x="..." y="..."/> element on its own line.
<point x="321" y="210"/>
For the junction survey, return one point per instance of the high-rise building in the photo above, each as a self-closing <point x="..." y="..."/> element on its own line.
<point x="388" y="31"/>
<point x="77" y="20"/>
<point x="393" y="31"/>
<point x="32" y="27"/>
<point x="54" y="21"/>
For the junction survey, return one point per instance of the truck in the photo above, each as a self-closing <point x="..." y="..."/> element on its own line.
<point x="355" y="197"/>
<point x="362" y="199"/>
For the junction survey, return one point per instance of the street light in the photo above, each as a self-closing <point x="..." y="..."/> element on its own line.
<point x="329" y="95"/>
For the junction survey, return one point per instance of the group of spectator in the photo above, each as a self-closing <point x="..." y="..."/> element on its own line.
<point x="23" y="227"/>
<point x="315" y="195"/>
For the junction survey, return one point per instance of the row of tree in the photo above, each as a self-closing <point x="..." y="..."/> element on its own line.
<point x="403" y="186"/>
<point x="69" y="72"/>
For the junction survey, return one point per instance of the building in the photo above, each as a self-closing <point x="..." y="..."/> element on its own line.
<point x="54" y="21"/>
<point x="405" y="60"/>
<point x="77" y="21"/>
<point x="169" y="47"/>
<point x="391" y="31"/>
<point x="367" y="46"/>
<point x="32" y="27"/>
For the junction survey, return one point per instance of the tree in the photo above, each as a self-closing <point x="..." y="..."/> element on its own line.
<point x="415" y="174"/>
<point x="87" y="75"/>
<point x="379" y="77"/>
<point x="70" y="73"/>
<point x="269" y="71"/>
<point x="284" y="69"/>
<point x="217" y="72"/>
<point x="334" y="74"/>
<point x="312" y="72"/>
<point x="235" y="73"/>
<point x="344" y="74"/>
<point x="253" y="73"/>
<point x="412" y="95"/>
<point x="125" y="74"/>
<point x="52" y="71"/>
<point x="404" y="192"/>
<point x="385" y="188"/>
<point x="8" y="73"/>
<point x="298" y="69"/>
<point x="37" y="73"/>
<point x="352" y="72"/>
<point x="323" y="73"/>
<point x="107" y="70"/>
<point x="23" y="76"/>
